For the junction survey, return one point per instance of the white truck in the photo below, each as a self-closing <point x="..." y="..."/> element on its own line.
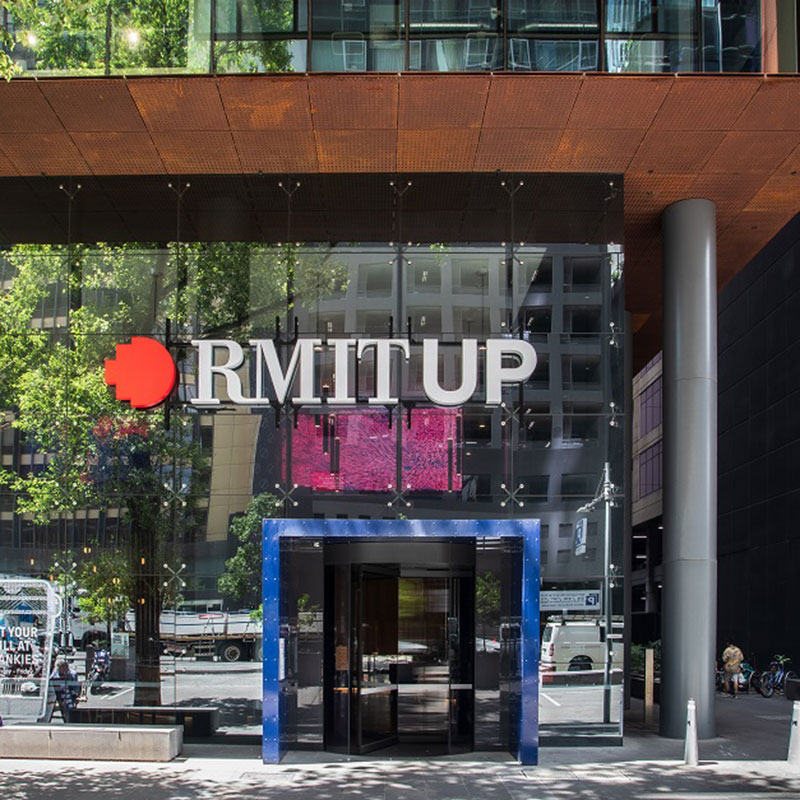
<point x="577" y="644"/>
<point x="227" y="635"/>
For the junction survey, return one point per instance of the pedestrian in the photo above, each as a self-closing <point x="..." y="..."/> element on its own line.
<point x="732" y="658"/>
<point x="64" y="684"/>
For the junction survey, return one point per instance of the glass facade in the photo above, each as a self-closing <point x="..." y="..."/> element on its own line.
<point x="236" y="36"/>
<point x="150" y="521"/>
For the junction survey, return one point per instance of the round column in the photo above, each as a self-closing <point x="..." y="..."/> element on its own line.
<point x="689" y="600"/>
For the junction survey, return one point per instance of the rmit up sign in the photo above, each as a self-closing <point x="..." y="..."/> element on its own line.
<point x="143" y="376"/>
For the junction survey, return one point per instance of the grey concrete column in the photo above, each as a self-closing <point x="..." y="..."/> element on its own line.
<point x="689" y="612"/>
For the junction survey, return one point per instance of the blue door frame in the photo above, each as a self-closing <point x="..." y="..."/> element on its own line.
<point x="525" y="529"/>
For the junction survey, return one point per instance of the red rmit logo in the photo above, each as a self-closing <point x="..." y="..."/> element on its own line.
<point x="143" y="372"/>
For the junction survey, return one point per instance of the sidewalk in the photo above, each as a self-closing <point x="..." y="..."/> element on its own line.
<point x="746" y="761"/>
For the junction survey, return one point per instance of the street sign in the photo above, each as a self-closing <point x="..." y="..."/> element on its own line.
<point x="580" y="536"/>
<point x="587" y="600"/>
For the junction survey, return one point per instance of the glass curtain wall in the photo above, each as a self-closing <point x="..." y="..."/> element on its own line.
<point x="149" y="522"/>
<point x="245" y="36"/>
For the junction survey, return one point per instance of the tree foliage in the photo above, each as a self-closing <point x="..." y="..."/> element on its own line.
<point x="120" y="35"/>
<point x="241" y="581"/>
<point x="106" y="589"/>
<point x="62" y="315"/>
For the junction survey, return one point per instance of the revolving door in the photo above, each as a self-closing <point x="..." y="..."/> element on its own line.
<point x="399" y="646"/>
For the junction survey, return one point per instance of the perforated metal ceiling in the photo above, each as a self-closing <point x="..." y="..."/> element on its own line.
<point x="732" y="138"/>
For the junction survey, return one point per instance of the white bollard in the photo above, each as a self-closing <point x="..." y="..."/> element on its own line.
<point x="794" y="736"/>
<point x="691" y="754"/>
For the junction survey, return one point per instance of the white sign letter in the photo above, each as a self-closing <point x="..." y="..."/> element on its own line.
<point x="497" y="374"/>
<point x="341" y="371"/>
<point x="206" y="369"/>
<point x="303" y="354"/>
<point x="430" y="373"/>
<point x="383" y="349"/>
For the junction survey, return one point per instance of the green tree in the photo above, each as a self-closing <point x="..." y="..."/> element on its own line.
<point x="99" y="453"/>
<point x="105" y="586"/>
<point x="241" y="581"/>
<point x="99" y="35"/>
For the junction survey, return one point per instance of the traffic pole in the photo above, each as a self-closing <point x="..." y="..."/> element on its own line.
<point x="691" y="754"/>
<point x="794" y="736"/>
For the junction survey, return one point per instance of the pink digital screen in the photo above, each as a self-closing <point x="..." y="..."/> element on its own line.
<point x="356" y="451"/>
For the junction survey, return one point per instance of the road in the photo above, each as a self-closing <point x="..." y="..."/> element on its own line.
<point x="236" y="690"/>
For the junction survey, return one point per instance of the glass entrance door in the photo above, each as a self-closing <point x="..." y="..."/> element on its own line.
<point x="374" y="648"/>
<point x="399" y="655"/>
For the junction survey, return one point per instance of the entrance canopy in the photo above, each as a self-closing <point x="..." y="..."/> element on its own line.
<point x="522" y="716"/>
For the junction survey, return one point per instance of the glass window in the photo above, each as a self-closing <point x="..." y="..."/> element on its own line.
<point x="650" y="470"/>
<point x="559" y="55"/>
<point x="650" y="407"/>
<point x="731" y="36"/>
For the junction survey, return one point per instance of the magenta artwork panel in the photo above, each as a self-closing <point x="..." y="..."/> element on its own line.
<point x="355" y="451"/>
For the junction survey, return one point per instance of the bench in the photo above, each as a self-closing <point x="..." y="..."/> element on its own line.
<point x="91" y="742"/>
<point x="198" y="722"/>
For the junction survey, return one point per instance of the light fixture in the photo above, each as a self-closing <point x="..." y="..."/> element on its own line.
<point x="132" y="37"/>
<point x="32" y="40"/>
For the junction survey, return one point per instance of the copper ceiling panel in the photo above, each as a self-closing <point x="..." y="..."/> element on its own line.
<point x="743" y="238"/>
<point x="436" y="151"/>
<point x="43" y="154"/>
<point x="356" y="151"/>
<point x="777" y="193"/>
<point x="358" y="103"/>
<point x="188" y="153"/>
<point x="675" y="151"/>
<point x="76" y="105"/>
<point x="430" y="102"/>
<point x="276" y="151"/>
<point x="111" y="153"/>
<point x="776" y="107"/>
<point x="506" y="149"/>
<point x="517" y="102"/>
<point x="614" y="102"/>
<point x="179" y="104"/>
<point x="23" y="109"/>
<point x="595" y="150"/>
<point x="752" y="151"/>
<point x="695" y="103"/>
<point x="6" y="167"/>
<point x="730" y="192"/>
<point x="253" y="104"/>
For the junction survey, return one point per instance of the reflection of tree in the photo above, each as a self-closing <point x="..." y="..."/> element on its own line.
<point x="98" y="34"/>
<point x="105" y="35"/>
<point x="307" y="613"/>
<point x="239" y="289"/>
<point x="97" y="453"/>
<point x="259" y="55"/>
<point x="241" y="581"/>
<point x="106" y="589"/>
<point x="487" y="606"/>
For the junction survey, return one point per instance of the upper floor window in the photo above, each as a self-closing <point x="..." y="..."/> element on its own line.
<point x="650" y="407"/>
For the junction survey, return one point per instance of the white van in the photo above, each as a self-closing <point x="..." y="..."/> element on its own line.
<point x="574" y="644"/>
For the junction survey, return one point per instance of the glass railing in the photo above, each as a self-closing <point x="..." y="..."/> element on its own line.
<point x="245" y="36"/>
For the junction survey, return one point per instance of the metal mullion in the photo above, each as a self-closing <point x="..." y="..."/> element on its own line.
<point x="212" y="67"/>
<point x="601" y="19"/>
<point x="503" y="6"/>
<point x="698" y="36"/>
<point x="309" y="12"/>
<point x="407" y="33"/>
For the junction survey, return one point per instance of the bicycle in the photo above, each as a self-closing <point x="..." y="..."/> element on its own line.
<point x="774" y="680"/>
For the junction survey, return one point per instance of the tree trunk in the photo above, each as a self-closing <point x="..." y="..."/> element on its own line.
<point x="146" y="599"/>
